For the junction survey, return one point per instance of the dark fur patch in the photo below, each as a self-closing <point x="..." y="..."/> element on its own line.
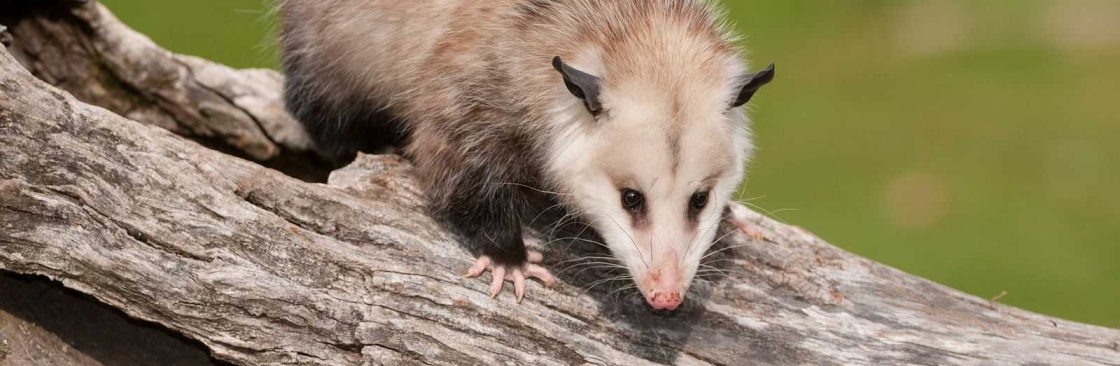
<point x="639" y="220"/>
<point x="339" y="126"/>
<point x="488" y="214"/>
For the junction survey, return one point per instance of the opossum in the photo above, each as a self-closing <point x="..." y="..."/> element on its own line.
<point x="626" y="112"/>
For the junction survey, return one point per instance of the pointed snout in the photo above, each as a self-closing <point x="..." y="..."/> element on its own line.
<point x="665" y="286"/>
<point x="665" y="300"/>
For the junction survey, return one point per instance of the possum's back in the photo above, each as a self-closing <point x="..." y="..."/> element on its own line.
<point x="358" y="69"/>
<point x="370" y="45"/>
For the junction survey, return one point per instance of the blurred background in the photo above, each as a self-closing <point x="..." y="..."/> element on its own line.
<point x="976" y="144"/>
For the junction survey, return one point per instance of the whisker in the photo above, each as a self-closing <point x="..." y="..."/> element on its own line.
<point x="564" y="220"/>
<point x="768" y="212"/>
<point x="622" y="289"/>
<point x="729" y="232"/>
<point x="694" y="239"/>
<point x="708" y="263"/>
<point x="639" y="251"/>
<point x="573" y="238"/>
<point x="705" y="268"/>
<point x="725" y="273"/>
<point x="747" y="202"/>
<point x="593" y="265"/>
<point x="604" y="267"/>
<point x="536" y="189"/>
<point x="689" y="250"/>
<point x="723" y="249"/>
<point x="742" y="187"/>
<point x="701" y="281"/>
<point x="751" y="199"/>
<point x="568" y="218"/>
<point x="579" y="237"/>
<point x="602" y="281"/>
<point x="595" y="261"/>
<point x="720" y="270"/>
<point x="530" y="224"/>
<point x="587" y="257"/>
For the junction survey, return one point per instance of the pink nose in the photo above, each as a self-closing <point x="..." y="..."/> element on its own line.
<point x="664" y="300"/>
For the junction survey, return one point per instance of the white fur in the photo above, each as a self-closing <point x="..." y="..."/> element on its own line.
<point x="585" y="153"/>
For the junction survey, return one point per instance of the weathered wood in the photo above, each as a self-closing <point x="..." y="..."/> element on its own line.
<point x="264" y="269"/>
<point x="44" y="324"/>
<point x="82" y="48"/>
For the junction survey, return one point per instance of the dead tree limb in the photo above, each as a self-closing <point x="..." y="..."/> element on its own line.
<point x="82" y="48"/>
<point x="264" y="269"/>
<point x="42" y="323"/>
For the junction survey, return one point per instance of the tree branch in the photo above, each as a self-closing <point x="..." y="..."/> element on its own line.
<point x="82" y="48"/>
<point x="264" y="269"/>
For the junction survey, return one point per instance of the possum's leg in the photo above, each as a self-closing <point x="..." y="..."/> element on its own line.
<point x="489" y="213"/>
<point x="737" y="215"/>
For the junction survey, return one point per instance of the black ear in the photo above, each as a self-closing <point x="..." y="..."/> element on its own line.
<point x="751" y="83"/>
<point x="582" y="85"/>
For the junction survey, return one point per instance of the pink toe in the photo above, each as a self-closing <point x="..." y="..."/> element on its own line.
<point x="739" y="219"/>
<point x="535" y="256"/>
<point x="479" y="266"/>
<point x="541" y="273"/>
<point x="499" y="274"/>
<point x="748" y="230"/>
<point x="518" y="284"/>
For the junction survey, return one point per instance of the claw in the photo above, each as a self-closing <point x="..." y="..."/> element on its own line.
<point x="751" y="232"/>
<point x="518" y="284"/>
<point x="499" y="274"/>
<point x="540" y="273"/>
<point x="516" y="274"/>
<point x="480" y="266"/>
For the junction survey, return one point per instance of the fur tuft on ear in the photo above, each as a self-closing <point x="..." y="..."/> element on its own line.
<point x="582" y="85"/>
<point x="751" y="83"/>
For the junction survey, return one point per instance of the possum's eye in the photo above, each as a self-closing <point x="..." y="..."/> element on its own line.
<point x="632" y="200"/>
<point x="699" y="201"/>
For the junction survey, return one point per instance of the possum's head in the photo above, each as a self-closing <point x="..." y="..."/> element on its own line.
<point x="651" y="157"/>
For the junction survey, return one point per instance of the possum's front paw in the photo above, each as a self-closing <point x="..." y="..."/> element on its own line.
<point x="737" y="216"/>
<point x="517" y="274"/>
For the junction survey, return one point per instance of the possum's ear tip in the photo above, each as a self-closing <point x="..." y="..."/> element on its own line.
<point x="582" y="85"/>
<point x="751" y="83"/>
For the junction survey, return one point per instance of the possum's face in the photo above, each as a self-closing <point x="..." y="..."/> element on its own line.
<point x="653" y="174"/>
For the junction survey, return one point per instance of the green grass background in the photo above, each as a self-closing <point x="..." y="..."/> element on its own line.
<point x="974" y="143"/>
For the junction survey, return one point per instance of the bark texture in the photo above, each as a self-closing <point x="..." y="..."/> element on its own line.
<point x="42" y="323"/>
<point x="265" y="269"/>
<point x="82" y="48"/>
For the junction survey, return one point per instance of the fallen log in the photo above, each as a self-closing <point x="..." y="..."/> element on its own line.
<point x="42" y="323"/>
<point x="265" y="269"/>
<point x="82" y="48"/>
